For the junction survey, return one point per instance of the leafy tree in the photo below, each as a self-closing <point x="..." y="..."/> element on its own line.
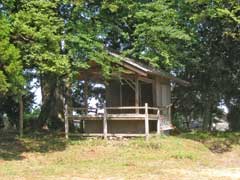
<point x="56" y="38"/>
<point x="213" y="57"/>
<point x="11" y="71"/>
<point x="38" y="32"/>
<point x="11" y="78"/>
<point x="146" y="30"/>
<point x="196" y="40"/>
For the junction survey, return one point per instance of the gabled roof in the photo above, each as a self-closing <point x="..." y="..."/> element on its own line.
<point x="149" y="70"/>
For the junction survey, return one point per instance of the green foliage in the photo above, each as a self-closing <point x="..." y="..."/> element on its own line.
<point x="197" y="40"/>
<point x="38" y="32"/>
<point x="158" y="34"/>
<point x="217" y="142"/>
<point x="11" y="78"/>
<point x="54" y="38"/>
<point x="147" y="30"/>
<point x="82" y="42"/>
<point x="212" y="60"/>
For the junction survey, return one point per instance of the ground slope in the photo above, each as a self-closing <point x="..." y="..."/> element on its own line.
<point x="186" y="156"/>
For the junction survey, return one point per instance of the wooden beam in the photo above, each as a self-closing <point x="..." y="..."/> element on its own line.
<point x="111" y="135"/>
<point x="146" y="80"/>
<point x="129" y="84"/>
<point x="127" y="107"/>
<point x="137" y="94"/>
<point x="146" y="122"/>
<point x="66" y="120"/>
<point x="158" y="122"/>
<point x="169" y="114"/>
<point x="137" y="71"/>
<point x="105" y="129"/>
<point x="123" y="117"/>
<point x="120" y="107"/>
<point x="158" y="89"/>
<point x="154" y="93"/>
<point x="85" y="94"/>
<point x="120" y="94"/>
<point x="107" y="95"/>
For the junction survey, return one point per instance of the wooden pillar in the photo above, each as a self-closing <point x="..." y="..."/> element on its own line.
<point x="66" y="120"/>
<point x="158" y="122"/>
<point x="105" y="131"/>
<point x="146" y="122"/>
<point x="85" y="94"/>
<point x="107" y="95"/>
<point x="20" y="116"/>
<point x="66" y="110"/>
<point x="154" y="93"/>
<point x="169" y="114"/>
<point x="137" y="94"/>
<point x="120" y="94"/>
<point x="158" y="89"/>
<point x="85" y="91"/>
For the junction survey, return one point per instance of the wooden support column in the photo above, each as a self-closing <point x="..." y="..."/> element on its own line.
<point x="137" y="94"/>
<point x="107" y="95"/>
<point x="66" y="120"/>
<point x="146" y="122"/>
<point x="169" y="113"/>
<point x="85" y="91"/>
<point x="66" y="110"/>
<point x="105" y="131"/>
<point x="20" y="116"/>
<point x="85" y="94"/>
<point x="120" y="94"/>
<point x="154" y="93"/>
<point x="158" y="122"/>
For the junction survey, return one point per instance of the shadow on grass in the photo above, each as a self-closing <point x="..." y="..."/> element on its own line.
<point x="217" y="142"/>
<point x="13" y="148"/>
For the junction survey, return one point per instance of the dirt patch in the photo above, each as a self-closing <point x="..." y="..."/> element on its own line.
<point x="210" y="173"/>
<point x="229" y="159"/>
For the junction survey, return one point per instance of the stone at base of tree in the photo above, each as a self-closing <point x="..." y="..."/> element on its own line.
<point x="6" y="123"/>
<point x="45" y="127"/>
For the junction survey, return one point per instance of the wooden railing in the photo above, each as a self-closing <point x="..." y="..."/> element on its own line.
<point x="161" y="114"/>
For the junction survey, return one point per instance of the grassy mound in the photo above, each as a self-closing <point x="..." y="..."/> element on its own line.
<point x="50" y="155"/>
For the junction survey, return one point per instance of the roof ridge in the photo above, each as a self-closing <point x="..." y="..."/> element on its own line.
<point x="149" y="69"/>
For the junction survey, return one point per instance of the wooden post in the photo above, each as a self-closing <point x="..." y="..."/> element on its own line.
<point x="85" y="92"/>
<point x="105" y="122"/>
<point x="169" y="114"/>
<point x="66" y="110"/>
<point x="120" y="94"/>
<point x="154" y="93"/>
<point x="137" y="94"/>
<point x="158" y="121"/>
<point x="20" y="115"/>
<point x="146" y="122"/>
<point x="66" y="119"/>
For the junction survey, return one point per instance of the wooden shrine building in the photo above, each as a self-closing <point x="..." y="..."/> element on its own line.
<point x="137" y="101"/>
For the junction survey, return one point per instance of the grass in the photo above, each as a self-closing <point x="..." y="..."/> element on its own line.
<point x="46" y="156"/>
<point x="217" y="142"/>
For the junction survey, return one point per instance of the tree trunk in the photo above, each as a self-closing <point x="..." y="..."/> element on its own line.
<point x="20" y="115"/>
<point x="207" y="117"/>
<point x="233" y="117"/>
<point x="52" y="109"/>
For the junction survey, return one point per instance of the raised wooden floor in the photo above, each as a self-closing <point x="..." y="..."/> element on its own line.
<point x="160" y="114"/>
<point x="137" y="117"/>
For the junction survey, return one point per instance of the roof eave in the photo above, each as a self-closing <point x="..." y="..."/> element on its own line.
<point x="170" y="77"/>
<point x="146" y="70"/>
